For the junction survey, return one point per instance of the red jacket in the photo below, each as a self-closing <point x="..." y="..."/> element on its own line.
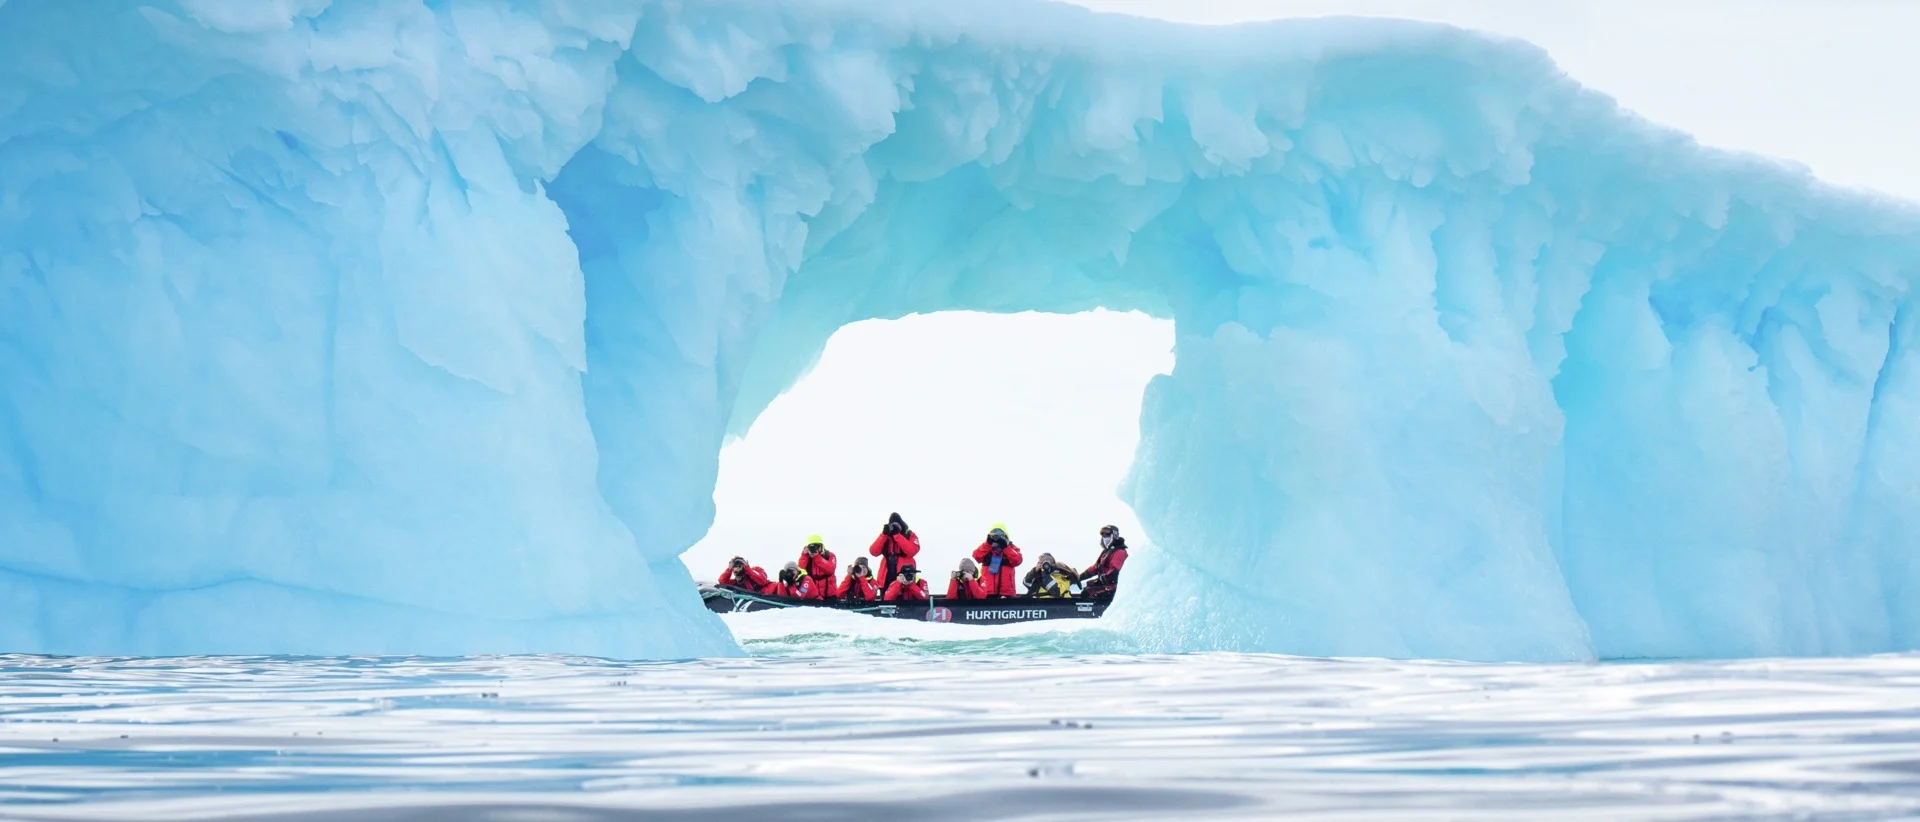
<point x="753" y="579"/>
<point x="820" y="568"/>
<point x="971" y="589"/>
<point x="891" y="548"/>
<point x="1006" y="583"/>
<point x="1109" y="564"/>
<point x="901" y="591"/>
<point x="1107" y="568"/>
<point x="806" y="588"/>
<point x="858" y="589"/>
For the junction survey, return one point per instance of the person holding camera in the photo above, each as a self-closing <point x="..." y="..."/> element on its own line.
<point x="795" y="583"/>
<point x="965" y="583"/>
<point x="907" y="587"/>
<point x="999" y="557"/>
<point x="896" y="547"/>
<point x="1050" y="579"/>
<point x="1102" y="578"/>
<point x="858" y="586"/>
<point x="819" y="563"/>
<point x="749" y="578"/>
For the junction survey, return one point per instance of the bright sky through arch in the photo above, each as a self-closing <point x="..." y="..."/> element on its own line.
<point x="957" y="420"/>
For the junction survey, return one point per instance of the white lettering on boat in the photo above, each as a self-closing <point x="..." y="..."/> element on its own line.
<point x="1006" y="613"/>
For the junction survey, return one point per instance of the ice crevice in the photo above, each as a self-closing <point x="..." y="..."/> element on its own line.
<point x="404" y="326"/>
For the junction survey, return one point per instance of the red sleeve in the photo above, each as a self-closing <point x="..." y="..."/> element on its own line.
<point x="912" y="548"/>
<point x="1013" y="555"/>
<point x="1119" y="558"/>
<point x="726" y="577"/>
<point x="921" y="586"/>
<point x="879" y="545"/>
<point x="757" y="576"/>
<point x="833" y="564"/>
<point x="980" y="553"/>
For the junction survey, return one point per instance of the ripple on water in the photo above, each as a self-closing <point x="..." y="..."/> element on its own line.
<point x="912" y="722"/>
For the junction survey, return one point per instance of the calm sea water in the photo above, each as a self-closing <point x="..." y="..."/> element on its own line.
<point x="845" y="717"/>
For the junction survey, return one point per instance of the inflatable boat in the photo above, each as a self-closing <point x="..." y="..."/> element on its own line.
<point x="726" y="599"/>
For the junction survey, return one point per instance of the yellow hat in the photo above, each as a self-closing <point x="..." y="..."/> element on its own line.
<point x="815" y="539"/>
<point x="998" y="526"/>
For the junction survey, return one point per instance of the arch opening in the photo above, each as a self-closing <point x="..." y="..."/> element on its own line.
<point x="955" y="419"/>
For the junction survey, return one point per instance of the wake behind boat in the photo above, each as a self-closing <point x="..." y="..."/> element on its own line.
<point x="727" y="599"/>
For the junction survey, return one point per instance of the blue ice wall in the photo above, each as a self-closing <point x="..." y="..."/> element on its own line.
<point x="402" y="326"/>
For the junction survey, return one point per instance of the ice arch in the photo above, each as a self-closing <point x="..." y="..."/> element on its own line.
<point x="361" y="326"/>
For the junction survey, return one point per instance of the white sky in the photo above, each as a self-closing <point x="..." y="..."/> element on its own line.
<point x="1833" y="84"/>
<point x="957" y="420"/>
<point x="962" y="420"/>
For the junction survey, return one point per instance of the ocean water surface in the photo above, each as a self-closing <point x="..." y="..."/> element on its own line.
<point x="837" y="716"/>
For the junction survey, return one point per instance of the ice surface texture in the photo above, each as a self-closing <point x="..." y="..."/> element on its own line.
<point x="417" y="326"/>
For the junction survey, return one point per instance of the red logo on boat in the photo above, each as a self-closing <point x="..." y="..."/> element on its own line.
<point x="939" y="614"/>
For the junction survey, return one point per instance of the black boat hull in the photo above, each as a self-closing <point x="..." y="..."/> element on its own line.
<point x="729" y="600"/>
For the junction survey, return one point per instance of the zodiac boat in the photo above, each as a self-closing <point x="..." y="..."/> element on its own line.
<point x="726" y="599"/>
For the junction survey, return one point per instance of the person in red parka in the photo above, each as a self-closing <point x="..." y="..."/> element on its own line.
<point x="907" y="587"/>
<point x="745" y="577"/>
<point x="965" y="583"/>
<point x="1102" y="578"/>
<point x="896" y="547"/>
<point x="819" y="563"/>
<point x="998" y="557"/>
<point x="858" y="586"/>
<point x="795" y="583"/>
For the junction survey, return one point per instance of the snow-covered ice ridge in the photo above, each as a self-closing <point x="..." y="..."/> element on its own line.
<point x="416" y="326"/>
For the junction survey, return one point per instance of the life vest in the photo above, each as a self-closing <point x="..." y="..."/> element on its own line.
<point x="1057" y="585"/>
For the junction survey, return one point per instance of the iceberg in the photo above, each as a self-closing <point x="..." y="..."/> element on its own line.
<point x="404" y="326"/>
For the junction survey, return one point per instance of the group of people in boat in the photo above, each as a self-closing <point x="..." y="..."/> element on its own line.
<point x="991" y="572"/>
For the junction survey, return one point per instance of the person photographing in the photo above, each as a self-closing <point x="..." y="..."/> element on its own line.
<point x="819" y="563"/>
<point x="896" y="547"/>
<point x="795" y="583"/>
<point x="964" y="584"/>
<point x="998" y="558"/>
<point x="907" y="586"/>
<point x="858" y="586"/>
<point x="747" y="577"/>
<point x="1049" y="579"/>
